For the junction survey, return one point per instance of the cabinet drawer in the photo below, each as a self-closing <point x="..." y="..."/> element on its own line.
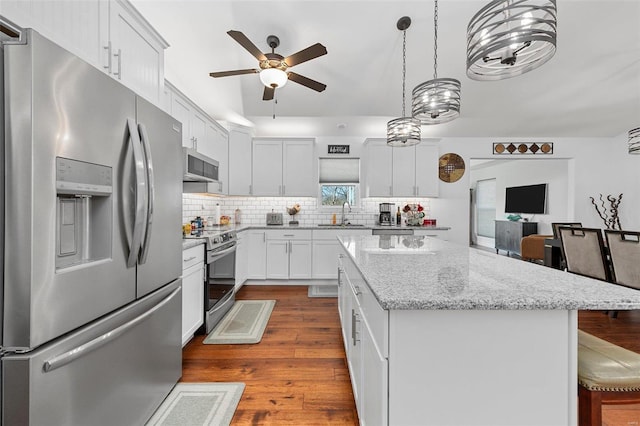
<point x="332" y="234"/>
<point x="192" y="256"/>
<point x="376" y="318"/>
<point x="278" y="234"/>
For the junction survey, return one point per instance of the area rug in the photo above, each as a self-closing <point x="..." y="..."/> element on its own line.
<point x="244" y="323"/>
<point x="198" y="404"/>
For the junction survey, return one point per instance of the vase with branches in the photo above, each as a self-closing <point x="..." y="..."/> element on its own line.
<point x="608" y="214"/>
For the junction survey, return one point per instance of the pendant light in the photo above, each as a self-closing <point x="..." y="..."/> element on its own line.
<point x="507" y="38"/>
<point x="438" y="100"/>
<point x="634" y="141"/>
<point x="403" y="131"/>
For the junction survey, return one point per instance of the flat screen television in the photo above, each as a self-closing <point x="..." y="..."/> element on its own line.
<point x="531" y="199"/>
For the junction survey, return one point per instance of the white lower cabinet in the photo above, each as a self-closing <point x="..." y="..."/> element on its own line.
<point x="375" y="368"/>
<point x="256" y="254"/>
<point x="326" y="249"/>
<point x="325" y="259"/>
<point x="289" y="254"/>
<point x="192" y="291"/>
<point x="365" y="334"/>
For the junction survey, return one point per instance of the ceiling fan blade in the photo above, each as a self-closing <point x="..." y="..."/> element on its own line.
<point x="305" y="81"/>
<point x="305" y="55"/>
<point x="234" y="72"/>
<point x="268" y="93"/>
<point x="247" y="44"/>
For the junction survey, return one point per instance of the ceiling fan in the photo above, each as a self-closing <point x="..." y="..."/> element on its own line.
<point x="274" y="67"/>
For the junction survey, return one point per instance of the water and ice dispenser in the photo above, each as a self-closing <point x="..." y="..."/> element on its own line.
<point x="84" y="212"/>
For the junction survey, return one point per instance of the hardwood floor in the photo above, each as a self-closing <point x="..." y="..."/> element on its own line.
<point x="297" y="374"/>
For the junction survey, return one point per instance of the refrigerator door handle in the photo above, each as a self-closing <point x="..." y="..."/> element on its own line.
<point x="140" y="177"/>
<point x="146" y="148"/>
<point x="85" y="348"/>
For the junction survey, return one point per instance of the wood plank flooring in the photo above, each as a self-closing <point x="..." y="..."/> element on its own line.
<point x="297" y="374"/>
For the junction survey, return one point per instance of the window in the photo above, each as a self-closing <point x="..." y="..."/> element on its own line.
<point x="486" y="207"/>
<point x="339" y="180"/>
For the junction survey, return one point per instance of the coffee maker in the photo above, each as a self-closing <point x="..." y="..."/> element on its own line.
<point x="385" y="217"/>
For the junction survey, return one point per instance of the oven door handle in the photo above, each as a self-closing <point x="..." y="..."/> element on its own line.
<point x="214" y="256"/>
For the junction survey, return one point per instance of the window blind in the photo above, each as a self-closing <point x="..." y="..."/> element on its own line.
<point x="486" y="207"/>
<point x="339" y="170"/>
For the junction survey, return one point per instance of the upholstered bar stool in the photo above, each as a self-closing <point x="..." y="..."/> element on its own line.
<point x="607" y="373"/>
<point x="532" y="247"/>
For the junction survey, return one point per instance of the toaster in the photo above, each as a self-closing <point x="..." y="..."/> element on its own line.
<point x="274" y="218"/>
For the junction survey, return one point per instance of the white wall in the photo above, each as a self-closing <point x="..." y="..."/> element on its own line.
<point x="596" y="165"/>
<point x="522" y="171"/>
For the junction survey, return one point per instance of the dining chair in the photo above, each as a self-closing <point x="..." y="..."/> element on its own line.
<point x="584" y="252"/>
<point x="556" y="225"/>
<point x="624" y="250"/>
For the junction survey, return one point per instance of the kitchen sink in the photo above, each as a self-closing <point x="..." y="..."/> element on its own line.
<point x="337" y="225"/>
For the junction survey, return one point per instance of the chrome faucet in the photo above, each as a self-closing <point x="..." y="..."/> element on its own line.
<point x="344" y="219"/>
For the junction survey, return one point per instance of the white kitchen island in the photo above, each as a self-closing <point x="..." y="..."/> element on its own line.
<point x="441" y="334"/>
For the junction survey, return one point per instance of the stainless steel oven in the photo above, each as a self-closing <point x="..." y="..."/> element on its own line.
<point x="219" y="286"/>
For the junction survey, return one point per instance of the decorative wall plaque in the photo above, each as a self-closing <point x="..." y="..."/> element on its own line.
<point x="451" y="167"/>
<point x="338" y="149"/>
<point x="522" y="148"/>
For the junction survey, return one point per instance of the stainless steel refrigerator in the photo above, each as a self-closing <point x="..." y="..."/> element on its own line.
<point x="91" y="297"/>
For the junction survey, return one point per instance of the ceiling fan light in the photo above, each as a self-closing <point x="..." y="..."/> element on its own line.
<point x="507" y="38"/>
<point x="436" y="101"/>
<point x="403" y="131"/>
<point x="273" y="77"/>
<point x="634" y="141"/>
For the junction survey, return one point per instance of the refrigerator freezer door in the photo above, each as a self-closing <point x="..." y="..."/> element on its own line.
<point x="115" y="371"/>
<point x="57" y="106"/>
<point x="161" y="257"/>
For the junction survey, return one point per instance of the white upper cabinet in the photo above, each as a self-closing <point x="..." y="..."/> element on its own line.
<point x="401" y="171"/>
<point x="137" y="51"/>
<point x="283" y="167"/>
<point x="109" y="34"/>
<point x="202" y="133"/>
<point x="197" y="132"/>
<point x="415" y="171"/>
<point x="267" y="167"/>
<point x="181" y="111"/>
<point x="217" y="147"/>
<point x="239" y="161"/>
<point x="379" y="164"/>
<point x="426" y="170"/>
<point x="78" y="26"/>
<point x="297" y="172"/>
<point x="404" y="171"/>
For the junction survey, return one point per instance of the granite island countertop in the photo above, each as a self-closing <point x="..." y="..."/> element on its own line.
<point x="410" y="273"/>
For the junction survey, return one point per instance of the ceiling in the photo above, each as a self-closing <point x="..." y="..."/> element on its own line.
<point x="590" y="88"/>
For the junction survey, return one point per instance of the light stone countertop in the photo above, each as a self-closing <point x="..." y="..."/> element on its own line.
<point x="285" y="226"/>
<point x="429" y="273"/>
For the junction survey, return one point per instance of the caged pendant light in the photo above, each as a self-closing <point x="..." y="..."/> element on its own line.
<point x="438" y="100"/>
<point x="634" y="141"/>
<point x="403" y="131"/>
<point x="507" y="38"/>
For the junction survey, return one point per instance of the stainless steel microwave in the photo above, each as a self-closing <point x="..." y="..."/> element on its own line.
<point x="198" y="167"/>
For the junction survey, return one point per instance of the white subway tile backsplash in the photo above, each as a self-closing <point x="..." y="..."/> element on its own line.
<point x="254" y="209"/>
